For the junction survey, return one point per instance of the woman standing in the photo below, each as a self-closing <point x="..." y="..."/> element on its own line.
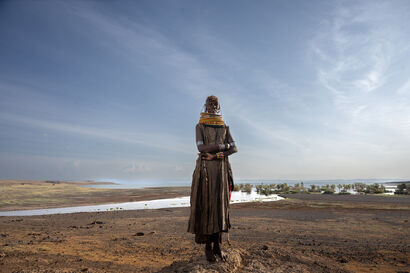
<point x="212" y="180"/>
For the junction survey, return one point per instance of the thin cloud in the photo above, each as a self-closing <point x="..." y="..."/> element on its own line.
<point x="284" y="121"/>
<point x="191" y="74"/>
<point x="138" y="167"/>
<point x="135" y="41"/>
<point x="153" y="141"/>
<point x="355" y="50"/>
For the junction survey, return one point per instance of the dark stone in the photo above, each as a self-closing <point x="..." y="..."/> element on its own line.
<point x="96" y="223"/>
<point x="265" y="247"/>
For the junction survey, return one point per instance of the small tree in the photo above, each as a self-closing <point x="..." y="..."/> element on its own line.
<point x="312" y="188"/>
<point x="236" y="187"/>
<point x="359" y="187"/>
<point x="248" y="188"/>
<point x="402" y="189"/>
<point x="374" y="188"/>
<point x="259" y="188"/>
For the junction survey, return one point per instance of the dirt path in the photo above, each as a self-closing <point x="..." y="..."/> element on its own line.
<point x="287" y="236"/>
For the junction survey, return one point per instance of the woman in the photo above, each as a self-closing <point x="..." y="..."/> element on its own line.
<point x="212" y="181"/>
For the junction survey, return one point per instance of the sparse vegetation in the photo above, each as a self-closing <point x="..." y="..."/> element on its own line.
<point x="237" y="187"/>
<point x="247" y="188"/>
<point x="281" y="188"/>
<point x="375" y="188"/>
<point x="314" y="188"/>
<point x="243" y="187"/>
<point x="403" y="189"/>
<point x="265" y="189"/>
<point x="359" y="187"/>
<point x="342" y="189"/>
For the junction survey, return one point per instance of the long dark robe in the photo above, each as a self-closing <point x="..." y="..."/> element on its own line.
<point x="210" y="188"/>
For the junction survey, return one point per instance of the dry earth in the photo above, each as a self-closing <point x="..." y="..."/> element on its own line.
<point x="37" y="194"/>
<point x="321" y="234"/>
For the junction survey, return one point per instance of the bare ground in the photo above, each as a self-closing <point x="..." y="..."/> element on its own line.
<point x="294" y="235"/>
<point x="37" y="194"/>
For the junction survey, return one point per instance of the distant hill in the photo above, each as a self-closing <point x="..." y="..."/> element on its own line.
<point x="397" y="183"/>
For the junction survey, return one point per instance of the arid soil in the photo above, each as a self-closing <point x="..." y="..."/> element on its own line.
<point x="36" y="194"/>
<point x="300" y="234"/>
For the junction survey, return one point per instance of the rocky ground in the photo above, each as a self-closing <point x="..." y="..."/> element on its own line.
<point x="300" y="234"/>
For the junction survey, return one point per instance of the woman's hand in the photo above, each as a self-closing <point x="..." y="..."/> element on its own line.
<point x="208" y="156"/>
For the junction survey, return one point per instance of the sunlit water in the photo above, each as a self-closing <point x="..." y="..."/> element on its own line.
<point x="237" y="197"/>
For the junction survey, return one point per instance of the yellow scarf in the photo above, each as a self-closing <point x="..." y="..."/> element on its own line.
<point x="211" y="119"/>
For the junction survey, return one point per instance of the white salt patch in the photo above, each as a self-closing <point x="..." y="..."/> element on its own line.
<point x="237" y="197"/>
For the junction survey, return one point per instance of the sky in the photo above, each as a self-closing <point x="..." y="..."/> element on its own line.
<point x="114" y="89"/>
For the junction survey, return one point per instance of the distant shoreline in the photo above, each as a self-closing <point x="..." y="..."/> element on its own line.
<point x="36" y="194"/>
<point x="397" y="183"/>
<point x="139" y="184"/>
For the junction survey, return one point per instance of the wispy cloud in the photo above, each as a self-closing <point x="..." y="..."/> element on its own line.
<point x="149" y="140"/>
<point x="136" y="42"/>
<point x="191" y="75"/>
<point x="284" y="123"/>
<point x="357" y="50"/>
<point x="138" y="167"/>
<point x="354" y="62"/>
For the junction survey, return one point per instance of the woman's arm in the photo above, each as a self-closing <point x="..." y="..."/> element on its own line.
<point x="232" y="145"/>
<point x="231" y="150"/>
<point x="210" y="148"/>
<point x="209" y="151"/>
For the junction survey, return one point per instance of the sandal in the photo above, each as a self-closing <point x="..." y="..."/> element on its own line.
<point x="217" y="251"/>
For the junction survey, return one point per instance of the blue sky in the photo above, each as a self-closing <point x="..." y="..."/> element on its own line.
<point x="113" y="89"/>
